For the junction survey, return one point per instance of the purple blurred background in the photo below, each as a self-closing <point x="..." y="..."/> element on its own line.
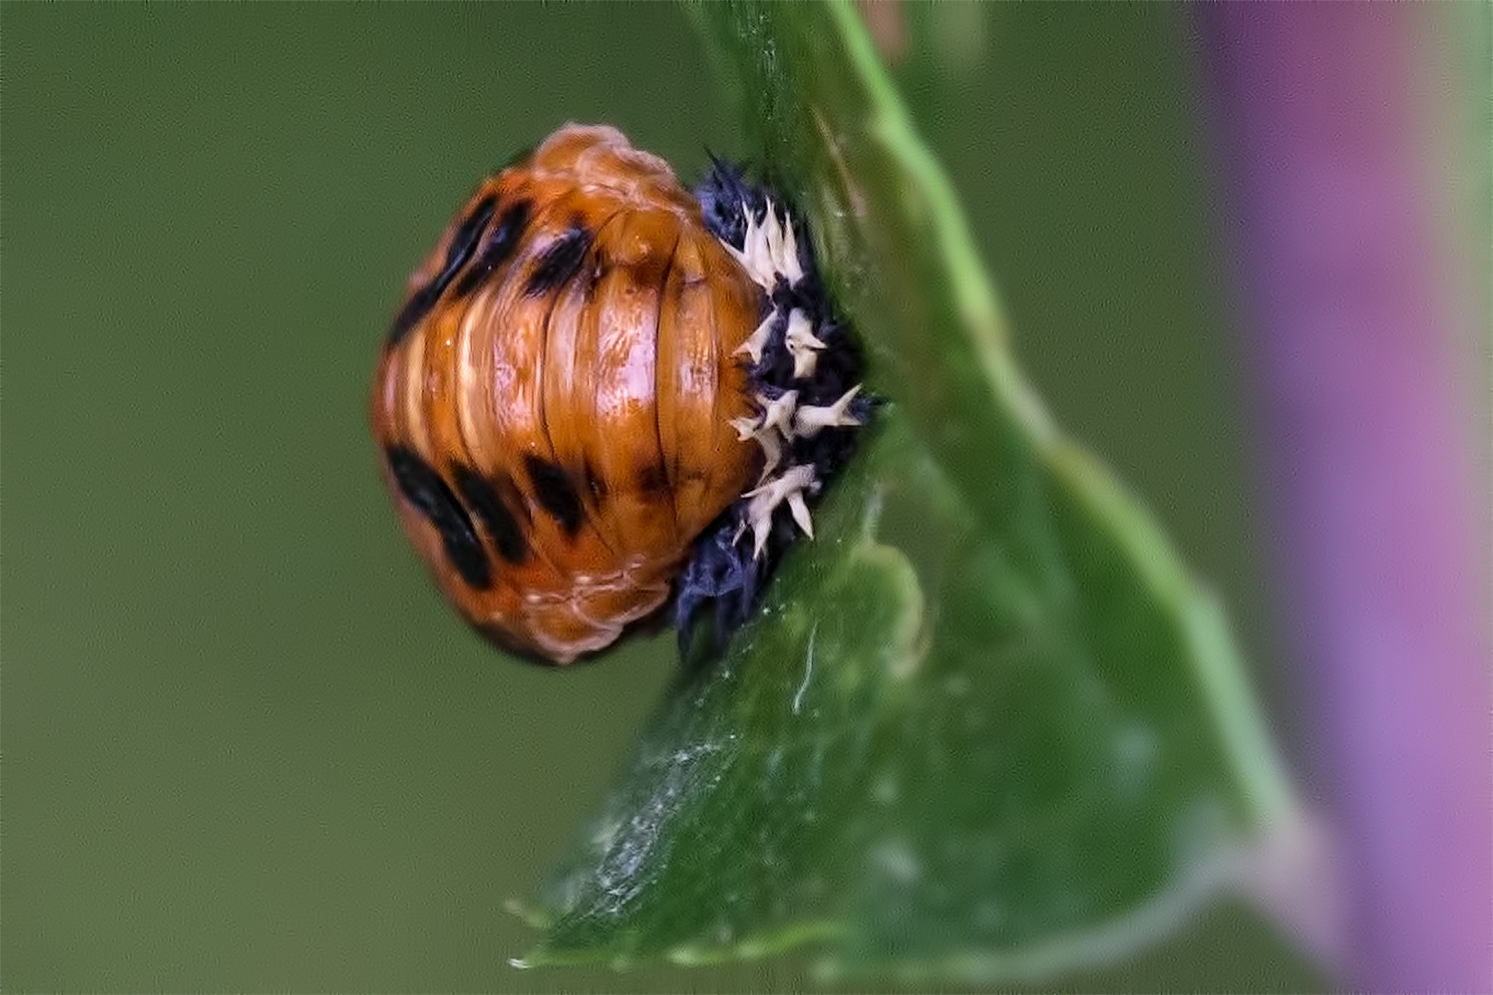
<point x="1353" y="141"/>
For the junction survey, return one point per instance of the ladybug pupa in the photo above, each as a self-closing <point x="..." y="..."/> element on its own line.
<point x="604" y="395"/>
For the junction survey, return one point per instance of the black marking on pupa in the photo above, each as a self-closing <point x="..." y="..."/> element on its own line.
<point x="458" y="253"/>
<point x="424" y="489"/>
<point x="499" y="247"/>
<point x="559" y="260"/>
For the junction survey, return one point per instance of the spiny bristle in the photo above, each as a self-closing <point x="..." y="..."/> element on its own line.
<point x="808" y="419"/>
<point x="788" y="486"/>
<point x="757" y="341"/>
<point x="769" y="248"/>
<point x="803" y="344"/>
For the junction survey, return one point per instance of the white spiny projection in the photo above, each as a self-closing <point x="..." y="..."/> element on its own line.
<point x="769" y="253"/>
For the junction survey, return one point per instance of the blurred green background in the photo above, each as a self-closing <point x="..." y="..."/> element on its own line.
<point x="245" y="745"/>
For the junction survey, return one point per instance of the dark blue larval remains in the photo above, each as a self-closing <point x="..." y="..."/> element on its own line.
<point x="804" y="375"/>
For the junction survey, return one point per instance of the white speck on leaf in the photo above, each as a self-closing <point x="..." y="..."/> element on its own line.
<point x="798" y="696"/>
<point x="897" y="861"/>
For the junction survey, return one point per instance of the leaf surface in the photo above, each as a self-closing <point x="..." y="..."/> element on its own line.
<point x="985" y="726"/>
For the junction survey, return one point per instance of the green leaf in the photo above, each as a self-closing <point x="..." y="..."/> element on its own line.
<point x="984" y="726"/>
